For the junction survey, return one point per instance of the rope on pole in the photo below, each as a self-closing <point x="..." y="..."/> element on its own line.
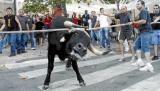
<point x="65" y="29"/>
<point x="118" y="25"/>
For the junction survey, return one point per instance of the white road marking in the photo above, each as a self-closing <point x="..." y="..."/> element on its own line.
<point x="41" y="72"/>
<point x="32" y="63"/>
<point x="150" y="84"/>
<point x="91" y="78"/>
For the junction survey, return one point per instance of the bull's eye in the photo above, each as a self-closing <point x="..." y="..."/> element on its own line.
<point x="79" y="46"/>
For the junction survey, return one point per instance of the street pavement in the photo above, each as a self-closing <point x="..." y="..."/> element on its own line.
<point x="26" y="72"/>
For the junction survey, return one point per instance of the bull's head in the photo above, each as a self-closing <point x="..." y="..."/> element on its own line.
<point x="77" y="43"/>
<point x="78" y="51"/>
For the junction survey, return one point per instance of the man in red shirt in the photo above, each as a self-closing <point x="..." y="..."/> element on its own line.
<point x="74" y="18"/>
<point x="47" y="21"/>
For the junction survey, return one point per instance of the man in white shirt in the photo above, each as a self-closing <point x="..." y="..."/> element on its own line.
<point x="104" y="21"/>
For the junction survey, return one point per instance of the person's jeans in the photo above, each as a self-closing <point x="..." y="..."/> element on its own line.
<point x="12" y="41"/>
<point x="94" y="35"/>
<point x="143" y="42"/>
<point x="45" y="33"/>
<point x="155" y="36"/>
<point x="1" y="45"/>
<point x="104" y="37"/>
<point x="18" y="41"/>
<point x="3" y="42"/>
<point x="23" y="40"/>
<point x="32" y="40"/>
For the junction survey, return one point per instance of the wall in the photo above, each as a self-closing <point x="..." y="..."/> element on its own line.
<point x="4" y="4"/>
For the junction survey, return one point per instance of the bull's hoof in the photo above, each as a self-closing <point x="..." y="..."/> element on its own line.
<point x="82" y="84"/>
<point x="45" y="87"/>
<point x="68" y="68"/>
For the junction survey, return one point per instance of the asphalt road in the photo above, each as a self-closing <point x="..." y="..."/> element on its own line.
<point x="27" y="72"/>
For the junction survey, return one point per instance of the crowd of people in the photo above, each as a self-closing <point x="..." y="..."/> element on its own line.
<point x="22" y="22"/>
<point x="140" y="26"/>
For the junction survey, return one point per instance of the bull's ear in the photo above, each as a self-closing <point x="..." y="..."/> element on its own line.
<point x="62" y="39"/>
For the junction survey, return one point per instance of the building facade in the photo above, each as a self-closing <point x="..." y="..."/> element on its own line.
<point x="14" y="4"/>
<point x="4" y="4"/>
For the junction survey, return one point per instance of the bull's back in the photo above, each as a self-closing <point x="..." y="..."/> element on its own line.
<point x="57" y="23"/>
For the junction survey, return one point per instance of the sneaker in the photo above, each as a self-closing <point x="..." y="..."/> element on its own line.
<point x="132" y="59"/>
<point x="155" y="58"/>
<point x="139" y="62"/>
<point x="11" y="55"/>
<point x="121" y="59"/>
<point x="0" y="52"/>
<point x="33" y="48"/>
<point x="147" y="67"/>
<point x="18" y="51"/>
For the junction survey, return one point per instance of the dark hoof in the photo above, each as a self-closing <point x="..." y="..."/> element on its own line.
<point x="45" y="87"/>
<point x="68" y="68"/>
<point x="82" y="84"/>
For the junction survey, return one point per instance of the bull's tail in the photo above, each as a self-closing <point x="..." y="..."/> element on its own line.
<point x="97" y="52"/>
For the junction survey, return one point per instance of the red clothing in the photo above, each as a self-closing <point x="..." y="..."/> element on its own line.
<point x="75" y="20"/>
<point x="57" y="12"/>
<point x="136" y="26"/>
<point x="47" y="21"/>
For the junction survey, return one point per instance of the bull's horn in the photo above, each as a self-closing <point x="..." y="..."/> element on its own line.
<point x="70" y="24"/>
<point x="97" y="52"/>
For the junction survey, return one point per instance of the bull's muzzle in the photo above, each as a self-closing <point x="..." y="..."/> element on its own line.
<point x="78" y="51"/>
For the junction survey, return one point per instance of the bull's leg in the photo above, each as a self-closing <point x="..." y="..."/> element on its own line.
<point x="79" y="77"/>
<point x="51" y="56"/>
<point x="68" y="65"/>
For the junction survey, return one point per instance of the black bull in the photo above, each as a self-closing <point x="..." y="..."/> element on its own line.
<point x="74" y="46"/>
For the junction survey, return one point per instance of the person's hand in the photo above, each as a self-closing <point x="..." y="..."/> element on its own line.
<point x="20" y="29"/>
<point x="130" y="23"/>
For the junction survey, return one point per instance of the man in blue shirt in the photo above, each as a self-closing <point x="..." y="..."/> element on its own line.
<point x="155" y="16"/>
<point x="142" y="42"/>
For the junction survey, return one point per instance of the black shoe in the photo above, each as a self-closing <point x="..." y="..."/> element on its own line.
<point x="23" y="51"/>
<point x="11" y="55"/>
<point x="18" y="51"/>
<point x="155" y="58"/>
<point x="0" y="52"/>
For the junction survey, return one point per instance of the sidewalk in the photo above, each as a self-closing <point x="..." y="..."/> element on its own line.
<point x="40" y="52"/>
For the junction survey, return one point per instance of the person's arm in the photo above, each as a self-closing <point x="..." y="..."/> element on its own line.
<point x="19" y="25"/>
<point x="110" y="15"/>
<point x="3" y="26"/>
<point x="33" y="24"/>
<point x="157" y="19"/>
<point x="143" y="20"/>
<point x="27" y="24"/>
<point x="97" y="22"/>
